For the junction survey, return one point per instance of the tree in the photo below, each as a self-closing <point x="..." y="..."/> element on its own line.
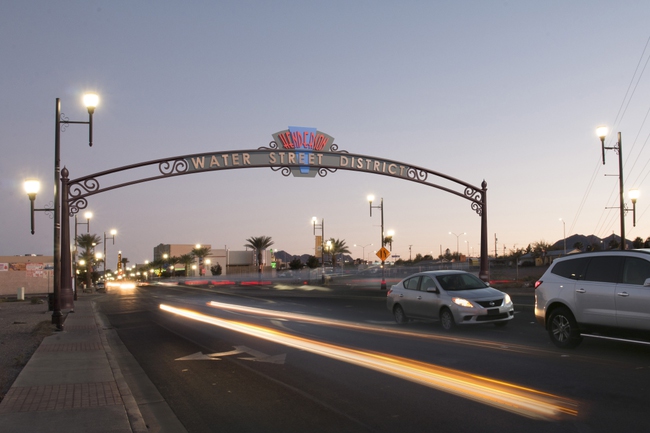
<point x="259" y="244"/>
<point x="337" y="246"/>
<point x="312" y="262"/>
<point x="124" y="262"/>
<point x="638" y="242"/>
<point x="88" y="243"/>
<point x="295" y="264"/>
<point x="613" y="244"/>
<point x="201" y="253"/>
<point x="216" y="269"/>
<point x="647" y="243"/>
<point x="173" y="261"/>
<point x="578" y="245"/>
<point x="187" y="260"/>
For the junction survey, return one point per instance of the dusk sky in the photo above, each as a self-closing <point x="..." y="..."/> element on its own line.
<point x="509" y="92"/>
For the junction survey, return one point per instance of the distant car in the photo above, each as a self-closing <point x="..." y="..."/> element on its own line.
<point x="100" y="287"/>
<point x="604" y="292"/>
<point x="452" y="297"/>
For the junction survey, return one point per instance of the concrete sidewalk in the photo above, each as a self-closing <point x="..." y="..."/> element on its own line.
<point x="72" y="383"/>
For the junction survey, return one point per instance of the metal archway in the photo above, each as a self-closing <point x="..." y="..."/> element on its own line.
<point x="301" y="162"/>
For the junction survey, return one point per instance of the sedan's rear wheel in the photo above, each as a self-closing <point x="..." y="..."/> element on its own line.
<point x="447" y="320"/>
<point x="563" y="329"/>
<point x="400" y="316"/>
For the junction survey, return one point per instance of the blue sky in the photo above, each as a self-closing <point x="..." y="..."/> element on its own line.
<point x="506" y="92"/>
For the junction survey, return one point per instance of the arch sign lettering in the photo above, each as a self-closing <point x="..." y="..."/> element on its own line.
<point x="296" y="151"/>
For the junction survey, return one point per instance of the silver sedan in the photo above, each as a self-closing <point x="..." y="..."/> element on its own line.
<point x="452" y="297"/>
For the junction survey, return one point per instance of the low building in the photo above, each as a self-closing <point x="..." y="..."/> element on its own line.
<point x="34" y="273"/>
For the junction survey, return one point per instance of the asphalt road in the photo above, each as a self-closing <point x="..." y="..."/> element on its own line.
<point x="291" y="361"/>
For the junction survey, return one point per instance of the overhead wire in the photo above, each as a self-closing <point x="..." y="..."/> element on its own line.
<point x="608" y="223"/>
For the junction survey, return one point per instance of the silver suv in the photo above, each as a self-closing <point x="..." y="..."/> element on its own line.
<point x="605" y="291"/>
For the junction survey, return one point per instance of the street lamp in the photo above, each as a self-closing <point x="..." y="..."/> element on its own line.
<point x="564" y="234"/>
<point x="602" y="131"/>
<point x="320" y="227"/>
<point x="457" y="242"/>
<point x="371" y="198"/>
<point x="113" y="233"/>
<point x="363" y="247"/>
<point x="389" y="238"/>
<point x="61" y="242"/>
<point x="634" y="195"/>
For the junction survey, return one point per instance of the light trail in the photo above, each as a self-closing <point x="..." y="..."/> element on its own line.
<point x="502" y="395"/>
<point x="373" y="328"/>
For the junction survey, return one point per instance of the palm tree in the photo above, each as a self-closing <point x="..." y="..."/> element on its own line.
<point x="187" y="260"/>
<point x="200" y="253"/>
<point x="259" y="244"/>
<point x="173" y="261"/>
<point x="337" y="246"/>
<point x="88" y="242"/>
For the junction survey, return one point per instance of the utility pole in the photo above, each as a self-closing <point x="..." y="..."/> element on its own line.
<point x="496" y="250"/>
<point x="410" y="252"/>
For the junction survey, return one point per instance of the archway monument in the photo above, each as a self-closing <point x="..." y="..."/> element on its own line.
<point x="296" y="151"/>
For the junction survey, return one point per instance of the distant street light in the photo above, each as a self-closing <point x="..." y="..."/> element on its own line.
<point x="371" y="198"/>
<point x="363" y="249"/>
<point x="113" y="233"/>
<point x="564" y="234"/>
<point x="457" y="241"/>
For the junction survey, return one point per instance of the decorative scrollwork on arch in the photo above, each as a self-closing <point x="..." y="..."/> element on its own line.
<point x="82" y="188"/>
<point x="335" y="149"/>
<point x="416" y="174"/>
<point x="478" y="208"/>
<point x="173" y="166"/>
<point x="76" y="205"/>
<point x="285" y="171"/>
<point x="473" y="194"/>
<point x="322" y="172"/>
<point x="272" y="146"/>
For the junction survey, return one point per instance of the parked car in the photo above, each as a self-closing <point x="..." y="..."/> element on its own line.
<point x="606" y="292"/>
<point x="452" y="297"/>
<point x="100" y="287"/>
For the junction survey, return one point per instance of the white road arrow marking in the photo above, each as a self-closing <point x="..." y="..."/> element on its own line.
<point x="257" y="356"/>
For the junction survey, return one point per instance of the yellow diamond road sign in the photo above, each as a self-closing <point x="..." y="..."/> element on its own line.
<point x="383" y="254"/>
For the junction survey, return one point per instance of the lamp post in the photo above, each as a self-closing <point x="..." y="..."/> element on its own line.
<point x="320" y="226"/>
<point x="88" y="216"/>
<point x="363" y="249"/>
<point x="61" y="242"/>
<point x="371" y="198"/>
<point x="113" y="233"/>
<point x="389" y="238"/>
<point x="564" y="234"/>
<point x="634" y="195"/>
<point x="602" y="131"/>
<point x="457" y="242"/>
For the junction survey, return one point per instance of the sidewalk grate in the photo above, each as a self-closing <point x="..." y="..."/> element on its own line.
<point x="57" y="397"/>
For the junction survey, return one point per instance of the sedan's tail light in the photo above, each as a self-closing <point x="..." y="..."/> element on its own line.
<point x="538" y="283"/>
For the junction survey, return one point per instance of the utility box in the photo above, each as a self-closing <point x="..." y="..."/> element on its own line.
<point x="21" y="294"/>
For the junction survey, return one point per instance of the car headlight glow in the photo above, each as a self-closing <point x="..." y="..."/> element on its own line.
<point x="507" y="299"/>
<point x="462" y="302"/>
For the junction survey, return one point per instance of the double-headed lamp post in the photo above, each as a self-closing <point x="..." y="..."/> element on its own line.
<point x="363" y="249"/>
<point x="371" y="198"/>
<point x="457" y="242"/>
<point x="61" y="242"/>
<point x="602" y="131"/>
